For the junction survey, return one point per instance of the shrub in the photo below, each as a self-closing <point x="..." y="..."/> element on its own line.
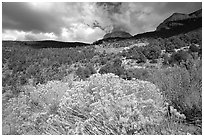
<point x="110" y="68"/>
<point x="117" y="62"/>
<point x="27" y="112"/>
<point x="178" y="43"/>
<point x="179" y="56"/>
<point x="194" y="41"/>
<point x="15" y="114"/>
<point x="136" y="54"/>
<point x="138" y="73"/>
<point x="153" y="61"/>
<point x="114" y="67"/>
<point x="169" y="47"/>
<point x="109" y="105"/>
<point x="152" y="51"/>
<point x="182" y="88"/>
<point x="85" y="72"/>
<point x="6" y="74"/>
<point x="193" y="48"/>
<point x="142" y="58"/>
<point x="200" y="52"/>
<point x="166" y="59"/>
<point x="104" y="104"/>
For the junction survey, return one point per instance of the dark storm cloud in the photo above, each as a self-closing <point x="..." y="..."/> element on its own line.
<point x="183" y="7"/>
<point x="138" y="17"/>
<point x="22" y="17"/>
<point x="111" y="12"/>
<point x="111" y="7"/>
<point x="85" y="21"/>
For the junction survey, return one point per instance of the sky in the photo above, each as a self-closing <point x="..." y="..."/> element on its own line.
<point x="85" y="21"/>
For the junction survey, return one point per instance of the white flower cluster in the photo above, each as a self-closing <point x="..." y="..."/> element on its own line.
<point x="174" y="112"/>
<point x="121" y="104"/>
<point x="104" y="104"/>
<point x="50" y="93"/>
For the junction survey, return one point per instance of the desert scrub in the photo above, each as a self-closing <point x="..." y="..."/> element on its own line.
<point x="27" y="112"/>
<point x="85" y="72"/>
<point x="138" y="73"/>
<point x="103" y="104"/>
<point x="182" y="88"/>
<point x="107" y="104"/>
<point x="114" y="67"/>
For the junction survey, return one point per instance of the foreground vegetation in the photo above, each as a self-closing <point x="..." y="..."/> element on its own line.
<point x="82" y="91"/>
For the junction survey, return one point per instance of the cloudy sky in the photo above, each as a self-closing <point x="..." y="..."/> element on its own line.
<point x="85" y="22"/>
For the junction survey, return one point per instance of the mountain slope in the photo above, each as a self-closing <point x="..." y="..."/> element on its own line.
<point x="197" y="13"/>
<point x="54" y="44"/>
<point x="121" y="34"/>
<point x="179" y="20"/>
<point x="176" y="24"/>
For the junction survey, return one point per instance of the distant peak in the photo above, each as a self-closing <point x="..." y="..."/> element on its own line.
<point x="177" y="16"/>
<point x="114" y="34"/>
<point x="176" y="13"/>
<point x="197" y="13"/>
<point x="177" y="19"/>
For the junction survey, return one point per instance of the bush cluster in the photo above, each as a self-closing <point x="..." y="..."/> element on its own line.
<point x="41" y="65"/>
<point x="104" y="104"/>
<point x="85" y="72"/>
<point x="136" y="54"/>
<point x="114" y="67"/>
<point x="137" y="73"/>
<point x="180" y="56"/>
<point x="141" y="54"/>
<point x="182" y="87"/>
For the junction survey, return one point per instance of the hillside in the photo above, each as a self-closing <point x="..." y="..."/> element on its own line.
<point x="147" y="84"/>
<point x="176" y="24"/>
<point x="45" y="44"/>
<point x="119" y="34"/>
<point x="179" y="20"/>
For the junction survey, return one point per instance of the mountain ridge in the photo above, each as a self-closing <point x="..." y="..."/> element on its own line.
<point x="176" y="18"/>
<point x="185" y="23"/>
<point x="114" y="34"/>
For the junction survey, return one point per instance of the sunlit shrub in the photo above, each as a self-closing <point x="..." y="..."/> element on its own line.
<point x="107" y="104"/>
<point x="6" y="74"/>
<point x="27" y="112"/>
<point x="114" y="67"/>
<point x="136" y="54"/>
<point x="182" y="87"/>
<point x="193" y="48"/>
<point x="137" y="73"/>
<point x="178" y="57"/>
<point x="152" y="51"/>
<point x="15" y="114"/>
<point x="85" y="72"/>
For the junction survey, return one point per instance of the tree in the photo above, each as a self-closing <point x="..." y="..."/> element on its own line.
<point x="152" y="51"/>
<point x="169" y="47"/>
<point x="180" y="56"/>
<point x="193" y="48"/>
<point x="178" y="43"/>
<point x="117" y="62"/>
<point x="165" y="59"/>
<point x="113" y="67"/>
<point x="136" y="54"/>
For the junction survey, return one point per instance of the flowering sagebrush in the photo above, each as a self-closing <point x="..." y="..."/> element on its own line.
<point x="120" y="104"/>
<point x="103" y="104"/>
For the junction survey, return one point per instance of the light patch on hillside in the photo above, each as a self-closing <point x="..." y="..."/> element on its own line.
<point x="110" y="49"/>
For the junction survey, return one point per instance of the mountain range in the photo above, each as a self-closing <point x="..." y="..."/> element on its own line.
<point x="180" y="20"/>
<point x="177" y="23"/>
